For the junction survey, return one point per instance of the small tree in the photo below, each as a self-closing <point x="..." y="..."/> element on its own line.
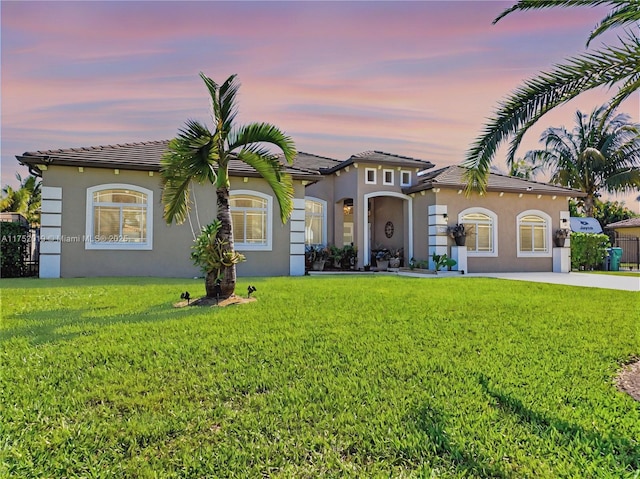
<point x="200" y="155"/>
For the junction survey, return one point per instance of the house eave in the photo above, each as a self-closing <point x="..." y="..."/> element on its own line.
<point x="533" y="191"/>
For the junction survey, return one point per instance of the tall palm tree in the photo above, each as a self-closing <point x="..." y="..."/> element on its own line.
<point x="200" y="155"/>
<point x="617" y="65"/>
<point x="25" y="200"/>
<point x="601" y="153"/>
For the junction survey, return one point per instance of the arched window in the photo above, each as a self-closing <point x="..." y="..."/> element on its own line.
<point x="315" y="221"/>
<point x="119" y="216"/>
<point x="251" y="217"/>
<point x="534" y="234"/>
<point x="482" y="225"/>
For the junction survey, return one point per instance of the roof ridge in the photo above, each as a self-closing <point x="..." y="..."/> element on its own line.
<point x="104" y="147"/>
<point x="312" y="154"/>
<point x="363" y="154"/>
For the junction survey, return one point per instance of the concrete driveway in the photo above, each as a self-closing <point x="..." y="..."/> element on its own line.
<point x="606" y="281"/>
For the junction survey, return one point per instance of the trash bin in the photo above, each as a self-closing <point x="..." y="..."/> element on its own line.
<point x="606" y="262"/>
<point x="615" y="255"/>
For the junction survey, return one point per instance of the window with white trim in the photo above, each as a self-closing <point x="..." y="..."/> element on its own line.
<point x="251" y="219"/>
<point x="482" y="225"/>
<point x="405" y="178"/>
<point x="315" y="221"/>
<point x="387" y="177"/>
<point x="534" y="234"/>
<point x="119" y="216"/>
<point x="370" y="176"/>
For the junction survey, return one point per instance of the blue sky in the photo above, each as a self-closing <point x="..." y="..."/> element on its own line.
<point x="412" y="78"/>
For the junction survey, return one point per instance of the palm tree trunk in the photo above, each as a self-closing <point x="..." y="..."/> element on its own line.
<point x="588" y="205"/>
<point x="225" y="233"/>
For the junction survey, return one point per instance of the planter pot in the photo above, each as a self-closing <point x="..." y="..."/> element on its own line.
<point x="460" y="240"/>
<point x="382" y="264"/>
<point x="559" y="242"/>
<point x="394" y="263"/>
<point x="318" y="265"/>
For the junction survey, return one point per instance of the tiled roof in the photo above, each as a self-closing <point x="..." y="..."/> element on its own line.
<point x="143" y="156"/>
<point x="453" y="177"/>
<point x="629" y="223"/>
<point x="380" y="157"/>
<point x="311" y="162"/>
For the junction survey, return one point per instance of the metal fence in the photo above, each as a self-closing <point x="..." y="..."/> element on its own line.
<point x="630" y="250"/>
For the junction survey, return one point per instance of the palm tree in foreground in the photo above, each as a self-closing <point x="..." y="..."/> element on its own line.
<point x="200" y="155"/>
<point x="602" y="153"/>
<point x="609" y="66"/>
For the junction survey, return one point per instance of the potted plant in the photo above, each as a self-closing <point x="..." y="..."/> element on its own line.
<point x="382" y="259"/>
<point x="396" y="258"/>
<point x="315" y="257"/>
<point x="335" y="257"/>
<point x="459" y="234"/>
<point x="349" y="256"/>
<point x="560" y="236"/>
<point x="442" y="261"/>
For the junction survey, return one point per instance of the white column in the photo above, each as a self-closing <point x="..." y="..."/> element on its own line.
<point x="561" y="260"/>
<point x="50" y="232"/>
<point x="459" y="253"/>
<point x="438" y="239"/>
<point x="296" y="240"/>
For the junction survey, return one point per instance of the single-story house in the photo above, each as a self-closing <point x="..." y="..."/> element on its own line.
<point x="102" y="214"/>
<point x="628" y="227"/>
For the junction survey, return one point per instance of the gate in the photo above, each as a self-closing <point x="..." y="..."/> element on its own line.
<point x="630" y="250"/>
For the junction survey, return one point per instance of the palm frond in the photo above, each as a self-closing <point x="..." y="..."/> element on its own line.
<point x="607" y="66"/>
<point x="269" y="168"/>
<point x="262" y="133"/>
<point x="625" y="13"/>
<point x="628" y="87"/>
<point x="623" y="181"/>
<point x="175" y="198"/>
<point x="228" y="106"/>
<point x="212" y="87"/>
<point x="193" y="153"/>
<point x="524" y="5"/>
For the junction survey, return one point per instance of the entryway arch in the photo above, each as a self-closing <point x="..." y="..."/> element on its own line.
<point x="407" y="217"/>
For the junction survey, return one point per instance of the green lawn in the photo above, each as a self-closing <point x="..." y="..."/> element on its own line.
<point x="614" y="273"/>
<point x="369" y="376"/>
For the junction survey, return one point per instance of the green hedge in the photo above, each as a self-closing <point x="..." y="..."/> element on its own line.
<point x="588" y="250"/>
<point x="15" y="241"/>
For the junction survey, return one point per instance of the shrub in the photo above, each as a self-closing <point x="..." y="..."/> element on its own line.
<point x="588" y="250"/>
<point x="15" y="241"/>
<point x="208" y="251"/>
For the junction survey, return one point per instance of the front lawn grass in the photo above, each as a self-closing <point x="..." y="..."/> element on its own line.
<point x="369" y="376"/>
<point x="615" y="273"/>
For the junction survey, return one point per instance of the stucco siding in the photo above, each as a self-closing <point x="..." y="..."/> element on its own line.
<point x="507" y="208"/>
<point x="633" y="231"/>
<point x="169" y="254"/>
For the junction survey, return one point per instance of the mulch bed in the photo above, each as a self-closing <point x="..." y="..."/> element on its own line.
<point x="628" y="380"/>
<point x="212" y="302"/>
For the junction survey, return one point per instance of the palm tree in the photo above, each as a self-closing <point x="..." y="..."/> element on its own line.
<point x="25" y="200"/>
<point x="200" y="155"/>
<point x="601" y="153"/>
<point x="608" y="66"/>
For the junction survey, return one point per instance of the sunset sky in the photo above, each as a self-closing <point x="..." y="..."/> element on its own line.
<point x="411" y="78"/>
